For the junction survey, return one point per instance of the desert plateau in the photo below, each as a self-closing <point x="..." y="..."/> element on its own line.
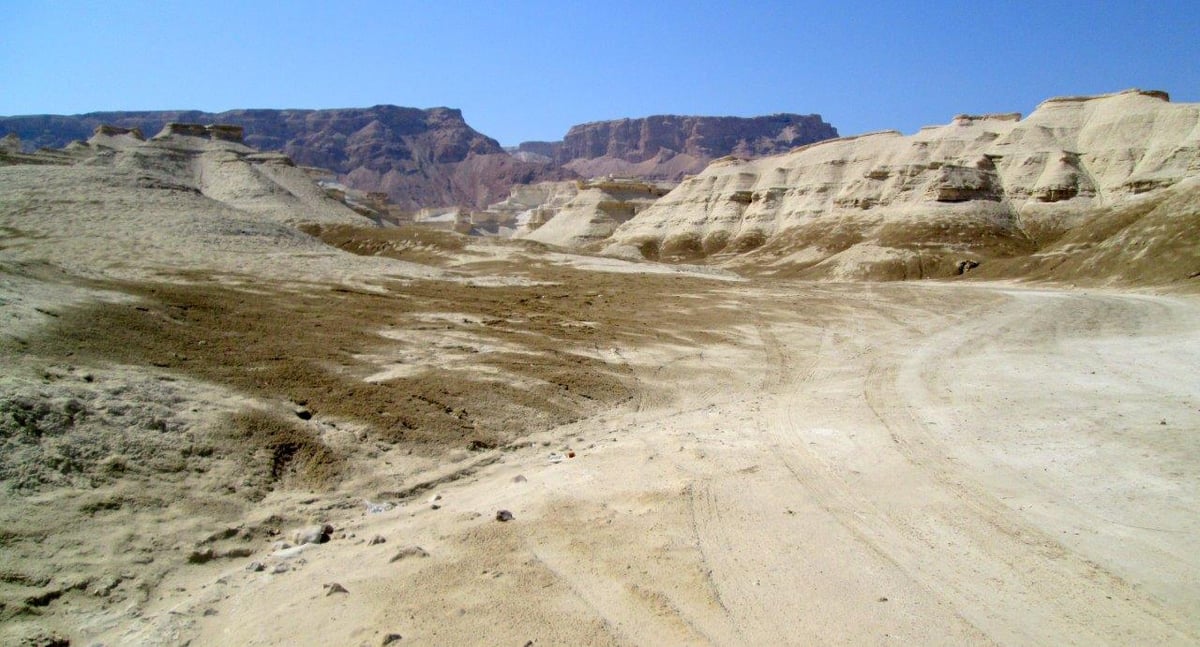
<point x="670" y="381"/>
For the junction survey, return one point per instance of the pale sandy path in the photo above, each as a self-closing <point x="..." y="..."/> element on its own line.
<point x="893" y="464"/>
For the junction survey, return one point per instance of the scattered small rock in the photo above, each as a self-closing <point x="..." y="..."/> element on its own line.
<point x="202" y="556"/>
<point x="313" y="535"/>
<point x="303" y="413"/>
<point x="1162" y="422"/>
<point x="435" y="506"/>
<point x="883" y="599"/>
<point x="377" y="539"/>
<point x="504" y="515"/>
<point x="519" y="478"/>
<point x="281" y="545"/>
<point x="281" y="567"/>
<point x="210" y="612"/>
<point x="376" y="508"/>
<point x="390" y="638"/>
<point x="409" y="551"/>
<point x="40" y="638"/>
<point x="104" y="586"/>
<point x="335" y="588"/>
<point x="436" y="497"/>
<point x="256" y="567"/>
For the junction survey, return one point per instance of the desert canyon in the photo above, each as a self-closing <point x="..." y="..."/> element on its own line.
<point x="365" y="377"/>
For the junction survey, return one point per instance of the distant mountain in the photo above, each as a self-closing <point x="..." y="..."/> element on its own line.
<point x="419" y="157"/>
<point x="432" y="158"/>
<point x="667" y="147"/>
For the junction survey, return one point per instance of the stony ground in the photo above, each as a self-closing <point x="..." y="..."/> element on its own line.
<point x="682" y="456"/>
<point x="754" y="461"/>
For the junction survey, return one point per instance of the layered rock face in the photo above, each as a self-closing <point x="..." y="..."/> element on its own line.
<point x="591" y="215"/>
<point x="670" y="146"/>
<point x="419" y="157"/>
<point x="526" y="208"/>
<point x="885" y="205"/>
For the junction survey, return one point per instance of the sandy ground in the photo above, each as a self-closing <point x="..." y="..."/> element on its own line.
<point x="188" y="378"/>
<point x="860" y="464"/>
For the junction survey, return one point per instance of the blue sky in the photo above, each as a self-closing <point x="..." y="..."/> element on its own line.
<point x="529" y="70"/>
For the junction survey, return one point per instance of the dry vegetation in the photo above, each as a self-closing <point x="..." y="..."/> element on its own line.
<point x="475" y="368"/>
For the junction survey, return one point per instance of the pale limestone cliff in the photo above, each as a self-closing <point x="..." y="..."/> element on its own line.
<point x="210" y="160"/>
<point x="528" y="206"/>
<point x="893" y="206"/>
<point x="599" y="206"/>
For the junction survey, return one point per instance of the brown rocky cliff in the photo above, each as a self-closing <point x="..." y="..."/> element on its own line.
<point x="668" y="147"/>
<point x="658" y="139"/>
<point x="414" y="155"/>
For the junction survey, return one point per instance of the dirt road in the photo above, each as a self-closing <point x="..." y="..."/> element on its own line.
<point x="859" y="464"/>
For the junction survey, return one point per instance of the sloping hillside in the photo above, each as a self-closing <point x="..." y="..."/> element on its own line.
<point x="1092" y="173"/>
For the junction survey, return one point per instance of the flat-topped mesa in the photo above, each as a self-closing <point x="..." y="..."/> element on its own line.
<point x="638" y="140"/>
<point x="223" y="132"/>
<point x="998" y="116"/>
<point x="226" y="132"/>
<point x="670" y="147"/>
<point x="1155" y="94"/>
<point x="113" y="131"/>
<point x="626" y="184"/>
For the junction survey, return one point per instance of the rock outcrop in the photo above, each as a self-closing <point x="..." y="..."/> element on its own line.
<point x="526" y="208"/>
<point x="598" y="207"/>
<point x="10" y="143"/>
<point x="419" y="157"/>
<point x="669" y="147"/>
<point x="983" y="187"/>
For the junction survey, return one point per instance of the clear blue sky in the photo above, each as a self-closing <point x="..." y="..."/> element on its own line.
<point x="529" y="70"/>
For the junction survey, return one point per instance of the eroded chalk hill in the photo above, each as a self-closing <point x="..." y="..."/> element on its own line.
<point x="1100" y="188"/>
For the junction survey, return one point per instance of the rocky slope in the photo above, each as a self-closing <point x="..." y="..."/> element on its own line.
<point x="190" y="198"/>
<point x="527" y="207"/>
<point x="671" y="146"/>
<point x="419" y="157"/>
<point x="981" y="188"/>
<point x="593" y="213"/>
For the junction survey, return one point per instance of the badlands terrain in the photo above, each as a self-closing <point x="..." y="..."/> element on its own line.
<point x="760" y="435"/>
